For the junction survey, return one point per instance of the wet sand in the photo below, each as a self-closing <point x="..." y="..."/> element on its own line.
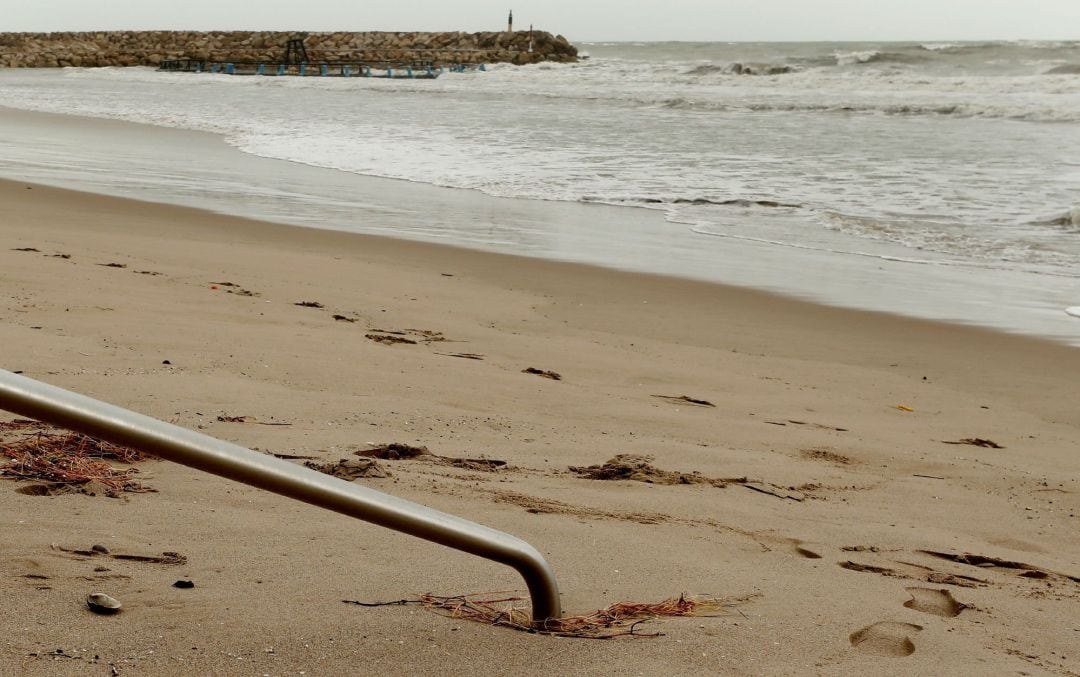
<point x="841" y="417"/>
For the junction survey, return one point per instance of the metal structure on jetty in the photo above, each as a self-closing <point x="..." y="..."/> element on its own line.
<point x="296" y="62"/>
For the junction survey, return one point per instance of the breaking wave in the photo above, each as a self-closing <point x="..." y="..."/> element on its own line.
<point x="1068" y="221"/>
<point x="960" y="110"/>
<point x="874" y="56"/>
<point x="1067" y="69"/>
<point x="741" y="68"/>
<point x="698" y="201"/>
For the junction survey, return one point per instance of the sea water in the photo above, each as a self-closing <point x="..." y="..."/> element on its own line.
<point x="939" y="180"/>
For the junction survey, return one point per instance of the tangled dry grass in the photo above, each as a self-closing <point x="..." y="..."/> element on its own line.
<point x="40" y="452"/>
<point x="617" y="620"/>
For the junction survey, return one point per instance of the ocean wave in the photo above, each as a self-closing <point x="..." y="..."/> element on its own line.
<point x="696" y="201"/>
<point x="741" y="68"/>
<point x="1066" y="69"/>
<point x="875" y="56"/>
<point x="959" y="110"/>
<point x="940" y="46"/>
<point x="1068" y="221"/>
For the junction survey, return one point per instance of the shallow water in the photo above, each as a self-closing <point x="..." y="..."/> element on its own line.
<point x="950" y="171"/>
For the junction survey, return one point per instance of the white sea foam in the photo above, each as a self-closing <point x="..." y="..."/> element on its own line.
<point x="894" y="134"/>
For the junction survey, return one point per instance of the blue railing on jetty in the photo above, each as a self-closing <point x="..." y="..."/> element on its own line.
<point x="424" y="70"/>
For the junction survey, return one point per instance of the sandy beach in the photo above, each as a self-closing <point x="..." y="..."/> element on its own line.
<point x="848" y="426"/>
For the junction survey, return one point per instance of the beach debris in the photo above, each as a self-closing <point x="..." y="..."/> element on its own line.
<point x="309" y="304"/>
<point x="903" y="407"/>
<point x="146" y="272"/>
<point x="394" y="451"/>
<point x="98" y="548"/>
<point x="419" y="335"/>
<point x="511" y="611"/>
<point x="184" y="584"/>
<point x="427" y="335"/>
<point x="342" y="318"/>
<point x="685" y="399"/>
<point x="818" y="425"/>
<point x="224" y="418"/>
<point x="291" y="457"/>
<point x="976" y="442"/>
<point x="72" y="459"/>
<point x="929" y="477"/>
<point x="234" y="288"/>
<point x="60" y="256"/>
<point x="389" y="340"/>
<point x="112" y="265"/>
<point x="55" y="653"/>
<point x="640" y="469"/>
<point x="26" y="249"/>
<point x="351" y="468"/>
<point x="167" y="362"/>
<point x="465" y="356"/>
<point x="100" y="603"/>
<point x="773" y="490"/>
<point x="168" y="558"/>
<point x="21" y="424"/>
<point x="554" y="376"/>
<point x="1029" y="570"/>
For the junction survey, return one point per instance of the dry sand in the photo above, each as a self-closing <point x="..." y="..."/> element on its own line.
<point x="806" y="403"/>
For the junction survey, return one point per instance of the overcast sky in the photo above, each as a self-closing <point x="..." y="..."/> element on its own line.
<point x="580" y="20"/>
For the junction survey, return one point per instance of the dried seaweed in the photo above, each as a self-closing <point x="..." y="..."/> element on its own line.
<point x="309" y="304"/>
<point x="350" y="468"/>
<point x="686" y="399"/>
<point x="640" y="469"/>
<point x="465" y="356"/>
<point x="554" y="376"/>
<point x="397" y="451"/>
<point x="393" y="451"/>
<point x="389" y="340"/>
<point x="225" y="418"/>
<point x="617" y="620"/>
<point x="69" y="458"/>
<point x="976" y="442"/>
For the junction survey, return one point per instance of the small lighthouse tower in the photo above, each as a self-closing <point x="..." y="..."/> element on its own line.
<point x="510" y="23"/>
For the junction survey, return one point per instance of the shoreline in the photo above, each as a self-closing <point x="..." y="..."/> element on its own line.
<point x="207" y="171"/>
<point x="806" y="401"/>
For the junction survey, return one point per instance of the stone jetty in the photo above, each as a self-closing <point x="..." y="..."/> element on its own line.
<point x="150" y="48"/>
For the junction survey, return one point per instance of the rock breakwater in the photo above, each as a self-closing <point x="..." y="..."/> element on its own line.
<point x="150" y="48"/>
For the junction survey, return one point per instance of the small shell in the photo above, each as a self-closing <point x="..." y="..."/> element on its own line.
<point x="100" y="603"/>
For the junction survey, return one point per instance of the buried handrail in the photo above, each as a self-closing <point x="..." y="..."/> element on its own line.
<point x="27" y="397"/>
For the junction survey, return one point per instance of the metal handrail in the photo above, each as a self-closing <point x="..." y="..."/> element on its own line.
<point x="27" y="397"/>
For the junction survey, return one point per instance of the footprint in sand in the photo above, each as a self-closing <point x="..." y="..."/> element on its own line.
<point x="937" y="602"/>
<point x="886" y="639"/>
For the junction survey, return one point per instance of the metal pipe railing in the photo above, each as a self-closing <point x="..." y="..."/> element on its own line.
<point x="27" y="397"/>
